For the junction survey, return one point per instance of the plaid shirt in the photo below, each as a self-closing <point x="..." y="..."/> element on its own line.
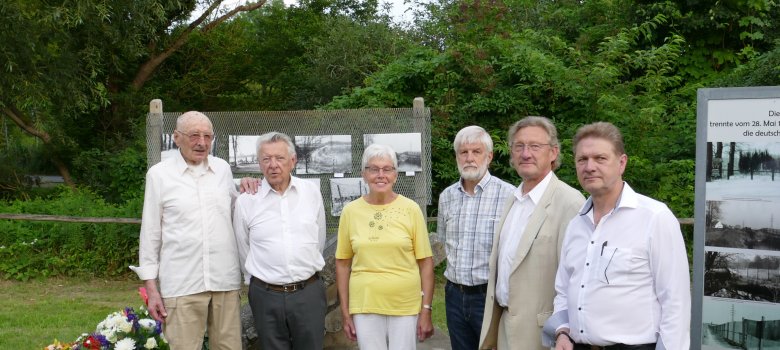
<point x="466" y="224"/>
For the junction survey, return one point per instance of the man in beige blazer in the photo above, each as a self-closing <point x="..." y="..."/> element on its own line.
<point x="524" y="259"/>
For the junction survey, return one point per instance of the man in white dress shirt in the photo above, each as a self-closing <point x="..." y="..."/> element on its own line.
<point x="280" y="233"/>
<point x="622" y="282"/>
<point x="187" y="242"/>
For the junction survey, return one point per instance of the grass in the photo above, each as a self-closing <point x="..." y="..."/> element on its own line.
<point x="439" y="315"/>
<point x="34" y="313"/>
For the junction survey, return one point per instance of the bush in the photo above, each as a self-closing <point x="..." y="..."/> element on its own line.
<point x="116" y="176"/>
<point x="31" y="249"/>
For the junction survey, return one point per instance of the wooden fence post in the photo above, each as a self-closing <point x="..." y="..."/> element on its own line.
<point x="154" y="133"/>
<point x="421" y="186"/>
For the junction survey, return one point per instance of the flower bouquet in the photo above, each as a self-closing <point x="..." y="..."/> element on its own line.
<point x="122" y="330"/>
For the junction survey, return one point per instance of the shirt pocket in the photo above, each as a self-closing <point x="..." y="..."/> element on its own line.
<point x="217" y="201"/>
<point x="614" y="265"/>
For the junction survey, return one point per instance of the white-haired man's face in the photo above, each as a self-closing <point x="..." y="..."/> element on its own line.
<point x="473" y="160"/>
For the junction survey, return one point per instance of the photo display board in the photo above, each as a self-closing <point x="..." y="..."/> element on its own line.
<point x="736" y="282"/>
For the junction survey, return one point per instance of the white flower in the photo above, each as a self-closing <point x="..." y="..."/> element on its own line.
<point x="124" y="326"/>
<point x="109" y="333"/>
<point x="147" y="323"/>
<point x="125" y="344"/>
<point x="150" y="343"/>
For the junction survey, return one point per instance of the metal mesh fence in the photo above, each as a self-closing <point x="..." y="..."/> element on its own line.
<point x="329" y="144"/>
<point x="749" y="334"/>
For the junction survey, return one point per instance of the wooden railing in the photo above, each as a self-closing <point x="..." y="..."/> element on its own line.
<point x="63" y="218"/>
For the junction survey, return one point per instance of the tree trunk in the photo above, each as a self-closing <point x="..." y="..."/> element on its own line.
<point x="27" y="126"/>
<point x="709" y="162"/>
<point x="719" y="157"/>
<point x="730" y="170"/>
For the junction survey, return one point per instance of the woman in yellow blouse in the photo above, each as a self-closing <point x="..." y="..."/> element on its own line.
<point x="384" y="264"/>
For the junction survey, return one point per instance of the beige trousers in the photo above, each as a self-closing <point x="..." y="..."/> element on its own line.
<point x="190" y="316"/>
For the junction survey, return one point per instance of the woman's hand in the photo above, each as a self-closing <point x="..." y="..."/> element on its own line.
<point x="349" y="327"/>
<point x="424" y="325"/>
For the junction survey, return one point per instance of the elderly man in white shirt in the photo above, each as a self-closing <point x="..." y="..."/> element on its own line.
<point x="187" y="242"/>
<point x="623" y="280"/>
<point x="280" y="233"/>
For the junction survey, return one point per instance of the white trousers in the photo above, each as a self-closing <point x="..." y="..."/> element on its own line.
<point x="382" y="332"/>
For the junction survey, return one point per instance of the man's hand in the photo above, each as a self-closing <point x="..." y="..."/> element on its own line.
<point x="424" y="325"/>
<point x="349" y="328"/>
<point x="249" y="185"/>
<point x="563" y="342"/>
<point x="155" y="304"/>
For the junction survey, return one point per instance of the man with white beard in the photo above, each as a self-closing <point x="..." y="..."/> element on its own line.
<point x="468" y="213"/>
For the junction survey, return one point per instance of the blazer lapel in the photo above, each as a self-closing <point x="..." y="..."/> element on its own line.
<point x="535" y="223"/>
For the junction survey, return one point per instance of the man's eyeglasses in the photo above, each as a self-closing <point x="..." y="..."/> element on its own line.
<point x="268" y="160"/>
<point x="533" y="147"/>
<point x="195" y="137"/>
<point x="373" y="170"/>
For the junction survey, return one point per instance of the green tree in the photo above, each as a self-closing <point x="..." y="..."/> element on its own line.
<point x="72" y="70"/>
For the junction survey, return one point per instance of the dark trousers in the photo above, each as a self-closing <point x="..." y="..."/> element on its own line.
<point x="289" y="320"/>
<point x="464" y="308"/>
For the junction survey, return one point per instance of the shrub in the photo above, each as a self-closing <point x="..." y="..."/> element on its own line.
<point x="31" y="249"/>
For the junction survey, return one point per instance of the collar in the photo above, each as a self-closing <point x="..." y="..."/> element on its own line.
<point x="265" y="187"/>
<point x="181" y="165"/>
<point x="480" y="185"/>
<point x="628" y="199"/>
<point x="537" y="192"/>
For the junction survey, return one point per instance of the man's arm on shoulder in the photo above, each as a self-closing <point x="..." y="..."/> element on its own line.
<point x="249" y="185"/>
<point x="241" y="231"/>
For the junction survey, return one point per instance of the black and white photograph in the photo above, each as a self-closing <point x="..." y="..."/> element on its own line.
<point x="743" y="170"/>
<point x="407" y="147"/>
<point x="169" y="148"/>
<point x="743" y="223"/>
<point x="345" y="190"/>
<point x="323" y="154"/>
<point x="242" y="154"/>
<point x="742" y="274"/>
<point x="739" y="324"/>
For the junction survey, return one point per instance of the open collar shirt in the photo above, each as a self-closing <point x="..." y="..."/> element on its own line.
<point x="186" y="239"/>
<point x="626" y="280"/>
<point x="281" y="236"/>
<point x="466" y="224"/>
<point x="512" y="231"/>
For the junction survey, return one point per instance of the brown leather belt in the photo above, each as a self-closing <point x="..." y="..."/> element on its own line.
<point x="285" y="288"/>
<point x="480" y="288"/>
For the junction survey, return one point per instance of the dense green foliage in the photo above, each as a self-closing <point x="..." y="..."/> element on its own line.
<point x="77" y="77"/>
<point x="30" y="249"/>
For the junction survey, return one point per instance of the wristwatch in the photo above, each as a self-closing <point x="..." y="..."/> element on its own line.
<point x="426" y="306"/>
<point x="566" y="334"/>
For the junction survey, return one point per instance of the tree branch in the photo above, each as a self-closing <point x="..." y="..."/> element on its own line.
<point x="150" y="66"/>
<point x="23" y="122"/>
<point x="20" y="120"/>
